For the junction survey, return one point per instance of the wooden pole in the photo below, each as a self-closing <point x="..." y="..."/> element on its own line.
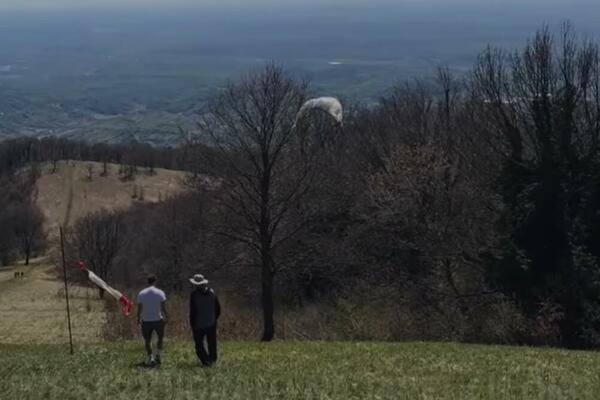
<point x="64" y="264"/>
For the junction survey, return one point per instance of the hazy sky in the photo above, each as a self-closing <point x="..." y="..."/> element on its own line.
<point x="21" y="4"/>
<point x="583" y="12"/>
<point x="61" y="4"/>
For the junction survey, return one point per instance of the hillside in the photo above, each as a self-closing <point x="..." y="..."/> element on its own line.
<point x="68" y="194"/>
<point x="33" y="307"/>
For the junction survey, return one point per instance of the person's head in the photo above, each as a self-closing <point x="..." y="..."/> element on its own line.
<point x="199" y="282"/>
<point x="151" y="279"/>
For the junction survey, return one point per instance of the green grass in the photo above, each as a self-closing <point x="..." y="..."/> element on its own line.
<point x="300" y="371"/>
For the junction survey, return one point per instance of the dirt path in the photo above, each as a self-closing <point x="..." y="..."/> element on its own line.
<point x="33" y="308"/>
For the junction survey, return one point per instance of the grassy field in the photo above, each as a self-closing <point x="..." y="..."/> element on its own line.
<point x="35" y="364"/>
<point x="32" y="308"/>
<point x="300" y="371"/>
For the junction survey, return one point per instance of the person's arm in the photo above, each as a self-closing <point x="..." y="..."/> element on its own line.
<point x="217" y="307"/>
<point x="140" y="308"/>
<point x="192" y="310"/>
<point x="163" y="308"/>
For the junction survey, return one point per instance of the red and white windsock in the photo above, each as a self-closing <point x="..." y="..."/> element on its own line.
<point x="120" y="297"/>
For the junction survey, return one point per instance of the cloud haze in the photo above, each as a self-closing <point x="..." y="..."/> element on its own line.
<point x="81" y="4"/>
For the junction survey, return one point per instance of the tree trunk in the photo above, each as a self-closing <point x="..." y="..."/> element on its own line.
<point x="267" y="301"/>
<point x="265" y="253"/>
<point x="27" y="251"/>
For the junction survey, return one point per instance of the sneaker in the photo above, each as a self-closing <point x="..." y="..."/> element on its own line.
<point x="157" y="360"/>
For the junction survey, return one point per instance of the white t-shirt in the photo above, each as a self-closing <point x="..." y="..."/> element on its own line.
<point x="151" y="298"/>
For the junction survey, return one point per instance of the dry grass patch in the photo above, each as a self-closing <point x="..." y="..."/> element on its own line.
<point x="33" y="309"/>
<point x="69" y="194"/>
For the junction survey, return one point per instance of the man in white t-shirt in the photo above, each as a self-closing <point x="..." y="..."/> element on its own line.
<point x="152" y="316"/>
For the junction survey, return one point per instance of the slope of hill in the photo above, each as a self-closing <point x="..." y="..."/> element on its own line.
<point x="33" y="307"/>
<point x="68" y="194"/>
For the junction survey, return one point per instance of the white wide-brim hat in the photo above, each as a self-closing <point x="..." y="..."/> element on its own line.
<point x="198" y="280"/>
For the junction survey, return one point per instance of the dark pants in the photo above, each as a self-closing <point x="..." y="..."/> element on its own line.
<point x="207" y="358"/>
<point x="148" y="327"/>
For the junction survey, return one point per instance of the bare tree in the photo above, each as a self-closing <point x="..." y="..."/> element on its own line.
<point x="28" y="229"/>
<point x="266" y="168"/>
<point x="443" y="220"/>
<point x="97" y="240"/>
<point x="104" y="168"/>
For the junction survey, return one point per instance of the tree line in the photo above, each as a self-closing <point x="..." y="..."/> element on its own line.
<point x="21" y="220"/>
<point x="21" y="152"/>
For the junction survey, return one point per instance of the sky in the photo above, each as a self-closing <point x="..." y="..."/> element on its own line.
<point x="105" y="4"/>
<point x="79" y="4"/>
<point x="586" y="11"/>
<point x="581" y="12"/>
<point x="60" y="4"/>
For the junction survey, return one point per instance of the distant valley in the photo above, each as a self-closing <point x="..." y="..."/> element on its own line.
<point x="126" y="76"/>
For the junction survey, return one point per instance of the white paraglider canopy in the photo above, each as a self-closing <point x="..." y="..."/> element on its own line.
<point x="329" y="105"/>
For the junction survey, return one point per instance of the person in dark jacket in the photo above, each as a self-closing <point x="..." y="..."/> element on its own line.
<point x="204" y="313"/>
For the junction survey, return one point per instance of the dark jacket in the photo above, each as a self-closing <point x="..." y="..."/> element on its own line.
<point x="204" y="309"/>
